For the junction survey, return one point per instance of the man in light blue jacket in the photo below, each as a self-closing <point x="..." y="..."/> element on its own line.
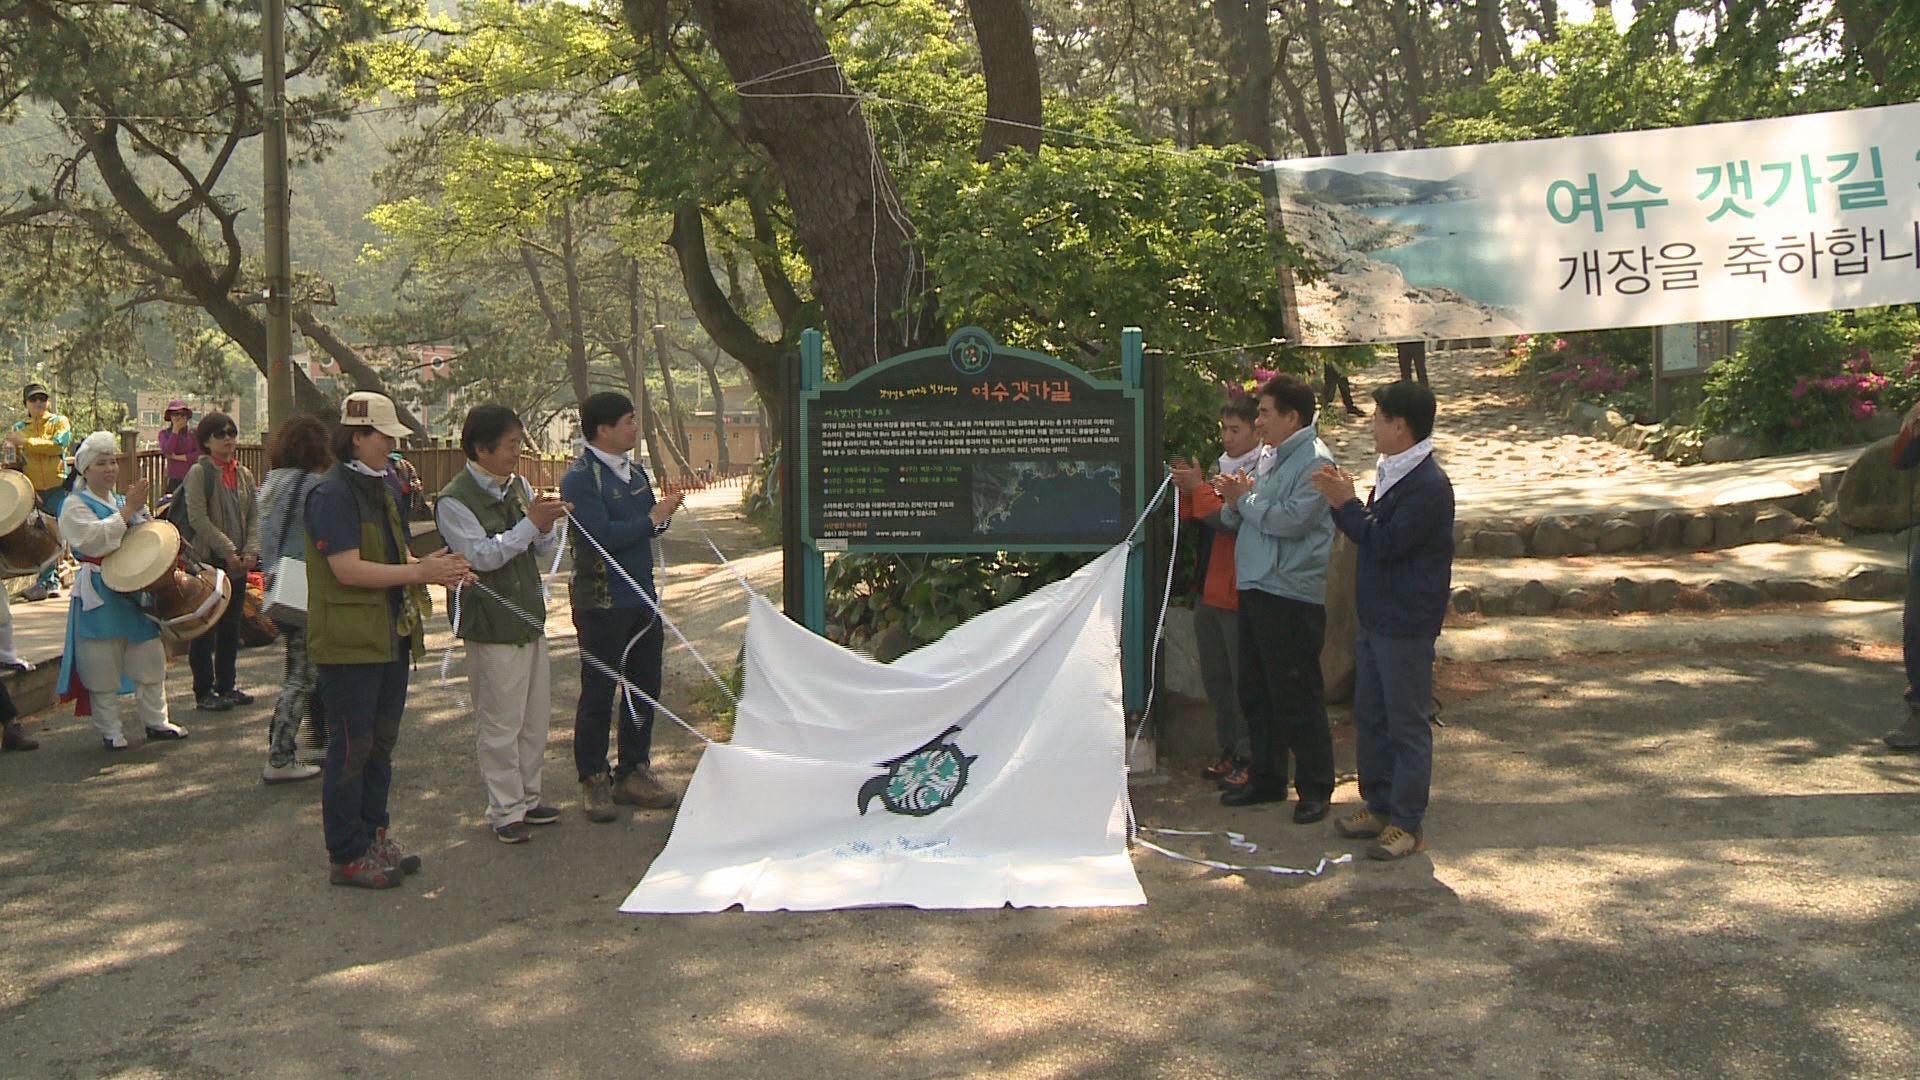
<point x="1283" y="534"/>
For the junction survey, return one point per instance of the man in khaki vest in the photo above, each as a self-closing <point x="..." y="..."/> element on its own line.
<point x="492" y="518"/>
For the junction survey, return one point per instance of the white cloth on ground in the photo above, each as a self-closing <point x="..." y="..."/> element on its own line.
<point x="984" y="769"/>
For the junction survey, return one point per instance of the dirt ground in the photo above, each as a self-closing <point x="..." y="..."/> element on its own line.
<point x="1660" y="866"/>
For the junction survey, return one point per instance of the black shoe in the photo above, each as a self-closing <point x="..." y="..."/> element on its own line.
<point x="1252" y="795"/>
<point x="542" y="815"/>
<point x="213" y="703"/>
<point x="1308" y="811"/>
<point x="238" y="697"/>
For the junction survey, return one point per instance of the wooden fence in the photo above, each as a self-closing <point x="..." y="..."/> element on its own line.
<point x="438" y="466"/>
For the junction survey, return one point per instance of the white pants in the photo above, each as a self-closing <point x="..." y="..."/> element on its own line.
<point x="100" y="662"/>
<point x="511" y="707"/>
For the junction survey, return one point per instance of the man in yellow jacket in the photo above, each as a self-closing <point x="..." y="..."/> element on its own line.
<point x="40" y="443"/>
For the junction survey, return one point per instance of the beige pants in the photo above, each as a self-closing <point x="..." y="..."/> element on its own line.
<point x="511" y="707"/>
<point x="99" y="663"/>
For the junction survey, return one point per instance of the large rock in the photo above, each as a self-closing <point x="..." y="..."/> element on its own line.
<point x="1772" y="524"/>
<point x="1554" y="537"/>
<point x="1729" y="529"/>
<point x="1729" y="448"/>
<point x="1698" y="533"/>
<point x="1498" y="544"/>
<point x="1629" y="595"/>
<point x="1873" y="583"/>
<point x="1876" y="496"/>
<point x="1533" y="598"/>
<point x="1618" y="535"/>
<point x="1662" y="594"/>
<point x="1733" y="593"/>
<point x="1343" y="621"/>
<point x="1669" y="529"/>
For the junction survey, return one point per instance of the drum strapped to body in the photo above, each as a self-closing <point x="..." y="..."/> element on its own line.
<point x="187" y="603"/>
<point x="29" y="536"/>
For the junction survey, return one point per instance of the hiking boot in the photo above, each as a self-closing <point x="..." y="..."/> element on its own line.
<point x="513" y="832"/>
<point x="363" y="873"/>
<point x="212" y="703"/>
<point x="387" y="853"/>
<point x="1219" y="769"/>
<point x="1907" y="735"/>
<point x="1362" y="824"/>
<point x="1396" y="843"/>
<point x="237" y="697"/>
<point x="639" y="788"/>
<point x="542" y="814"/>
<point x="288" y="773"/>
<point x="15" y="737"/>
<point x="597" y="793"/>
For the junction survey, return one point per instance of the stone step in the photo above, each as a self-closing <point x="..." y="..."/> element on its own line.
<point x="1674" y="632"/>
<point x="1696" y="508"/>
<point x="1755" y="573"/>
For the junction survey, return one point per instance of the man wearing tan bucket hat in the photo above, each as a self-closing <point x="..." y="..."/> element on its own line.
<point x="367" y="606"/>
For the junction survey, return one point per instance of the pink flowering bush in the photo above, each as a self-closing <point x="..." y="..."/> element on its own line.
<point x="1605" y="367"/>
<point x="1808" y="381"/>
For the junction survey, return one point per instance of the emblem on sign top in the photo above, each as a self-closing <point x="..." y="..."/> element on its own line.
<point x="971" y="350"/>
<point x="919" y="783"/>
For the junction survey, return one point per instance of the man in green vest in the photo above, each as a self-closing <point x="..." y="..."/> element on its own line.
<point x="491" y="517"/>
<point x="366" y="606"/>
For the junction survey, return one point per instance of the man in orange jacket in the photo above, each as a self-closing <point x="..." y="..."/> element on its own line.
<point x="1216" y="617"/>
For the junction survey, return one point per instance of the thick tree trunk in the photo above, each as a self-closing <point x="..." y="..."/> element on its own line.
<point x="762" y="359"/>
<point x="1490" y="37"/>
<point x="1333" y="128"/>
<point x="870" y="281"/>
<point x="1406" y="39"/>
<point x="1251" y="67"/>
<point x="1550" y="20"/>
<point x="635" y="360"/>
<point x="712" y="368"/>
<point x="1004" y="29"/>
<point x="1297" y="113"/>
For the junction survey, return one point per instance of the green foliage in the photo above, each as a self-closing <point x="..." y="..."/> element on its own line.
<point x="1808" y="381"/>
<point x="1588" y="81"/>
<point x="924" y="596"/>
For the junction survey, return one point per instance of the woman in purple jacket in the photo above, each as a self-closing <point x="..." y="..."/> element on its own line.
<point x="178" y="442"/>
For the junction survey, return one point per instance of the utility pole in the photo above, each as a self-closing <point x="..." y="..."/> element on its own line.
<point x="279" y="262"/>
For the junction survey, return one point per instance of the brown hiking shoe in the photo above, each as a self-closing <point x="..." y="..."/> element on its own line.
<point x="1907" y="735"/>
<point x="15" y="737"/>
<point x="1362" y="824"/>
<point x="597" y="797"/>
<point x="639" y="788"/>
<point x="387" y="853"/>
<point x="363" y="873"/>
<point x="1396" y="843"/>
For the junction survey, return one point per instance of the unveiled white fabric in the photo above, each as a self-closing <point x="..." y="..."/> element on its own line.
<point x="773" y="820"/>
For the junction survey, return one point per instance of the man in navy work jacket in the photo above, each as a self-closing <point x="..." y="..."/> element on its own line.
<point x="615" y="505"/>
<point x="1404" y="534"/>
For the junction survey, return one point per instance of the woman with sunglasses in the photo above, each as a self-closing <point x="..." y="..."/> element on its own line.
<point x="223" y="527"/>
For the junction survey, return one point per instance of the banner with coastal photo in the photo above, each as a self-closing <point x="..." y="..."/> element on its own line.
<point x="1720" y="221"/>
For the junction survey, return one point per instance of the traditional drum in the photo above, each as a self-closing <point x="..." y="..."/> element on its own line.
<point x="187" y="604"/>
<point x="29" y="538"/>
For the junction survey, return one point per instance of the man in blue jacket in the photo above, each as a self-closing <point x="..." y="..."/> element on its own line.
<point x="1404" y="571"/>
<point x="1282" y="537"/>
<point x="615" y="505"/>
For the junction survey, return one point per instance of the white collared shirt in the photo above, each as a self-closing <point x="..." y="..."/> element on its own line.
<point x="621" y="464"/>
<point x="462" y="531"/>
<point x="1392" y="468"/>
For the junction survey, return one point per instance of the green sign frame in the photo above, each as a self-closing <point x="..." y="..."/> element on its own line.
<point x="965" y="361"/>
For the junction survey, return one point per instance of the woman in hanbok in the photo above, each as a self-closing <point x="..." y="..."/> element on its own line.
<point x="113" y="656"/>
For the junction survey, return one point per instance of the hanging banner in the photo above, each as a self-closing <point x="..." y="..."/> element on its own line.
<point x="1715" y="222"/>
